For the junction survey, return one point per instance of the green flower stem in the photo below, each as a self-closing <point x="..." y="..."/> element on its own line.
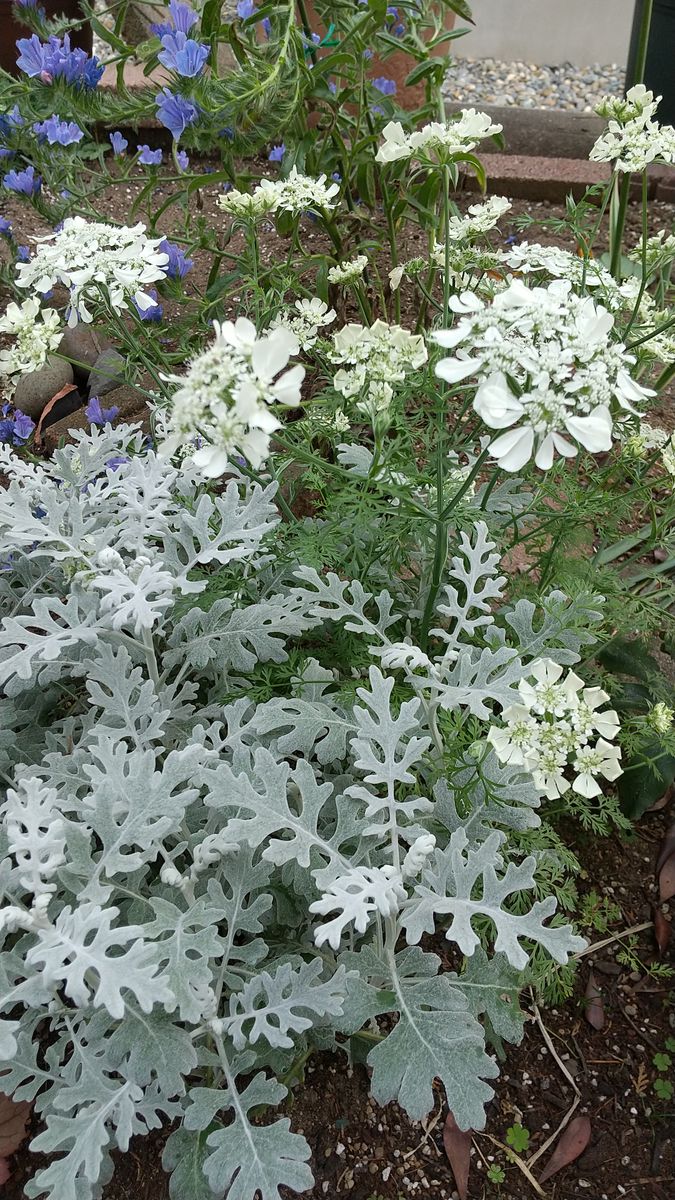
<point x="621" y="194"/>
<point x="645" y="231"/>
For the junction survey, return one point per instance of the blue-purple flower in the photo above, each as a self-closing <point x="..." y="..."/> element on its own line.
<point x="118" y="143"/>
<point x="97" y="415"/>
<point x="117" y="460"/>
<point x="246" y="9"/>
<point x="5" y="227"/>
<point x="276" y="154"/>
<point x="15" y="426"/>
<point x="183" y="55"/>
<point x="153" y="312"/>
<point x="148" y="157"/>
<point x="23" y="254"/>
<point x="58" y="132"/>
<point x="178" y="265"/>
<point x="54" y="59"/>
<point x="11" y="120"/>
<point x="386" y="86"/>
<point x="175" y="112"/>
<point x="183" y="16"/>
<point x="25" y="182"/>
<point x="182" y="160"/>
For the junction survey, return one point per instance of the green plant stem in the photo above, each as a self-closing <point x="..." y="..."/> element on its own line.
<point x="645" y="230"/>
<point x="643" y="41"/>
<point x="618" y="224"/>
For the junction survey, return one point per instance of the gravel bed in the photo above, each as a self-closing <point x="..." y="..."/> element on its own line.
<point x="525" y="85"/>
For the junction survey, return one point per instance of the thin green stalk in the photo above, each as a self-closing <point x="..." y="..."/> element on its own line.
<point x="618" y="223"/>
<point x="643" y="41"/>
<point x="645" y="231"/>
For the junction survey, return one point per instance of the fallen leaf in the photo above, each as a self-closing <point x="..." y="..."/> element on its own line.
<point x="667" y="879"/>
<point x="65" y="391"/>
<point x="662" y="930"/>
<point x="573" y="1142"/>
<point x="457" y="1144"/>
<point x="595" y="1009"/>
<point x="13" y="1121"/>
<point x="667" y="848"/>
<point x="642" y="1082"/>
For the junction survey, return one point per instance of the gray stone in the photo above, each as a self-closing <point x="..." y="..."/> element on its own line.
<point x="107" y="373"/>
<point x="83" y="345"/>
<point x="37" y="389"/>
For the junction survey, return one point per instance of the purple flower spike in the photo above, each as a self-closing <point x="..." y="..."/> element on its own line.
<point x="182" y="55"/>
<point x="175" y="112"/>
<point x="97" y="415"/>
<point x="118" y="143"/>
<point x="58" y="132"/>
<point x="148" y="157"/>
<point x="386" y="86"/>
<point x="25" y="182"/>
<point x="178" y="265"/>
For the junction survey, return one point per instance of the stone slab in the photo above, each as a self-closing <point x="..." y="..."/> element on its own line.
<point x="533" y="177"/>
<point x="545" y="132"/>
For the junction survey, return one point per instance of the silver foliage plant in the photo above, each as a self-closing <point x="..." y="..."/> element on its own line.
<point x="196" y="888"/>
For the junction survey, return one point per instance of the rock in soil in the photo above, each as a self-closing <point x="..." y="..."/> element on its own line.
<point x="83" y="345"/>
<point x="132" y="409"/>
<point x="107" y="372"/>
<point x="37" y="389"/>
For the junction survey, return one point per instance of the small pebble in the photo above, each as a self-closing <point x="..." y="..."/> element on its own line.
<point x="527" y="85"/>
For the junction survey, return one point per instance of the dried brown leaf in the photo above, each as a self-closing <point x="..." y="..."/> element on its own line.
<point x="667" y="879"/>
<point x="13" y="1121"/>
<point x="662" y="931"/>
<point x="573" y="1142"/>
<point x="642" y="1082"/>
<point x="457" y="1143"/>
<point x="65" y="391"/>
<point x="667" y="848"/>
<point x="595" y="1009"/>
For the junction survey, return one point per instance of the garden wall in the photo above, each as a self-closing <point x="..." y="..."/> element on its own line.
<point x="549" y="31"/>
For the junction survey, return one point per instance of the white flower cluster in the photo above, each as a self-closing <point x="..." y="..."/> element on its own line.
<point x="295" y="194"/>
<point x="546" y="367"/>
<point x="531" y="258"/>
<point x="556" y="727"/>
<point x="633" y="139"/>
<point x="223" y="402"/>
<point x="306" y="321"/>
<point x="36" y="333"/>
<point x="349" y="270"/>
<point x="374" y="358"/>
<point x="480" y="219"/>
<point x="440" y="140"/>
<point x="648" y="437"/>
<point x="91" y="258"/>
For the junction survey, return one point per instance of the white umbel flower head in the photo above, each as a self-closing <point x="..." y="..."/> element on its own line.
<point x="633" y="139"/>
<point x="438" y="142"/>
<point x="90" y="259"/>
<point x="296" y="194"/>
<point x="247" y="206"/>
<point x="305" y="320"/>
<point x="480" y="219"/>
<point x="349" y="270"/>
<point x="374" y="358"/>
<point x="222" y="404"/>
<point x="547" y="369"/>
<point x="36" y="333"/>
<point x="660" y="718"/>
<point x="560" y="727"/>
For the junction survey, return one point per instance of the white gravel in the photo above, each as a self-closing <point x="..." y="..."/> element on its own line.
<point x="525" y="85"/>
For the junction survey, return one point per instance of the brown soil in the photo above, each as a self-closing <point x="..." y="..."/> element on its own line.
<point x="369" y="1153"/>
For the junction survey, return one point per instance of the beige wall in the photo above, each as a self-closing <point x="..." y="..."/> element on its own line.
<point x="549" y="31"/>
